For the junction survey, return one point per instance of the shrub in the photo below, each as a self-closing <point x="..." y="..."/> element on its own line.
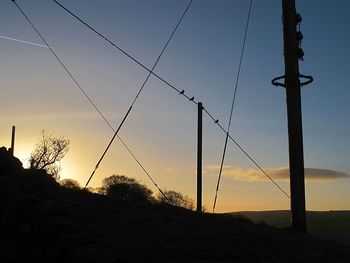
<point x="70" y="183"/>
<point x="176" y="199"/>
<point x="122" y="188"/>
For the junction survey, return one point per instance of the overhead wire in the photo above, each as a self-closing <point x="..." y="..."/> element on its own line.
<point x="142" y="87"/>
<point x="232" y="104"/>
<point x="89" y="99"/>
<point x="254" y="162"/>
<point x="216" y="122"/>
<point x="180" y="92"/>
<point x="162" y="52"/>
<point x="123" y="51"/>
<point x="109" y="145"/>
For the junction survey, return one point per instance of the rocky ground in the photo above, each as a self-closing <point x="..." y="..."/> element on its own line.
<point x="44" y="222"/>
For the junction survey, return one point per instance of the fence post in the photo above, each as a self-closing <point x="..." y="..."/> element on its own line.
<point x="12" y="149"/>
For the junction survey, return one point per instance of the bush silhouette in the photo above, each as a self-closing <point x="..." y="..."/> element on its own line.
<point x="176" y="199"/>
<point x="122" y="188"/>
<point x="70" y="183"/>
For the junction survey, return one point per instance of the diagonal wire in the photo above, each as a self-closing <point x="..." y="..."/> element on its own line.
<point x="161" y="53"/>
<point x="124" y="52"/>
<point x="233" y="103"/>
<point x="255" y="163"/>
<point x="91" y="101"/>
<point x="140" y="90"/>
<point x="182" y="92"/>
<point x="246" y="154"/>
<point x="109" y="145"/>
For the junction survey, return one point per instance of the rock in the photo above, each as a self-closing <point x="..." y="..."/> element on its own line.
<point x="8" y="163"/>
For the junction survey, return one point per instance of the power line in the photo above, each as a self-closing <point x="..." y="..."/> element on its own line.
<point x="109" y="145"/>
<point x="233" y="103"/>
<point x="90" y="100"/>
<point x="140" y="90"/>
<point x="161" y="53"/>
<point x="254" y="162"/>
<point x="180" y="92"/>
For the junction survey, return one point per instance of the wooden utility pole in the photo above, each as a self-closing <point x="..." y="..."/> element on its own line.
<point x="292" y="82"/>
<point x="199" y="157"/>
<point x="12" y="149"/>
<point x="295" y="133"/>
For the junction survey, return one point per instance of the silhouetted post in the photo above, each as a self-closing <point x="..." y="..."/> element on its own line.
<point x="199" y="157"/>
<point x="295" y="134"/>
<point x="12" y="149"/>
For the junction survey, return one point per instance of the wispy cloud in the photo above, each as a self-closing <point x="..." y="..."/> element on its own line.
<point x="282" y="174"/>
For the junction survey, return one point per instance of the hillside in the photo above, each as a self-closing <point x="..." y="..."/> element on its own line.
<point x="44" y="222"/>
<point x="330" y="225"/>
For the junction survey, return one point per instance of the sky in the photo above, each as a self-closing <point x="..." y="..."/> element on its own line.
<point x="201" y="59"/>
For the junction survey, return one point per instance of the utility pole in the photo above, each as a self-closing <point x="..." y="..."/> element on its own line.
<point x="12" y="149"/>
<point x="295" y="132"/>
<point x="292" y="54"/>
<point x="199" y="157"/>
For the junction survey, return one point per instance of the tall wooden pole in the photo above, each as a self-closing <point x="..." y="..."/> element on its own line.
<point x="12" y="149"/>
<point x="199" y="157"/>
<point x="292" y="83"/>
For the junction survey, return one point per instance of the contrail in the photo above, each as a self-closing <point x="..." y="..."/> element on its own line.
<point x="25" y="42"/>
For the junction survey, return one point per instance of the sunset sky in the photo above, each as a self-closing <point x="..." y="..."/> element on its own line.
<point x="202" y="59"/>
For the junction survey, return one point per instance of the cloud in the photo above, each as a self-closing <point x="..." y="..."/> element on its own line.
<point x="282" y="174"/>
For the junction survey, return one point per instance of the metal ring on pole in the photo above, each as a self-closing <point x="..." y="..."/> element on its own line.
<point x="278" y="84"/>
<point x="308" y="80"/>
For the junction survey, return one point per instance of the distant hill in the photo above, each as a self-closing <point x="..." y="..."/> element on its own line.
<point x="330" y="225"/>
<point x="44" y="222"/>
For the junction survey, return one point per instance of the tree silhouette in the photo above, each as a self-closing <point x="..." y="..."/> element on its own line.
<point x="122" y="188"/>
<point x="176" y="199"/>
<point x="47" y="154"/>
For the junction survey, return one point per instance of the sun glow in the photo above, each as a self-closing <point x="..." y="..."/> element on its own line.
<point x="22" y="152"/>
<point x="69" y="170"/>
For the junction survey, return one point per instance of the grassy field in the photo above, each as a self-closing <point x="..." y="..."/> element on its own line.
<point x="330" y="225"/>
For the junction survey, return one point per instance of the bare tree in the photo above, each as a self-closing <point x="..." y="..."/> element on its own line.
<point x="48" y="153"/>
